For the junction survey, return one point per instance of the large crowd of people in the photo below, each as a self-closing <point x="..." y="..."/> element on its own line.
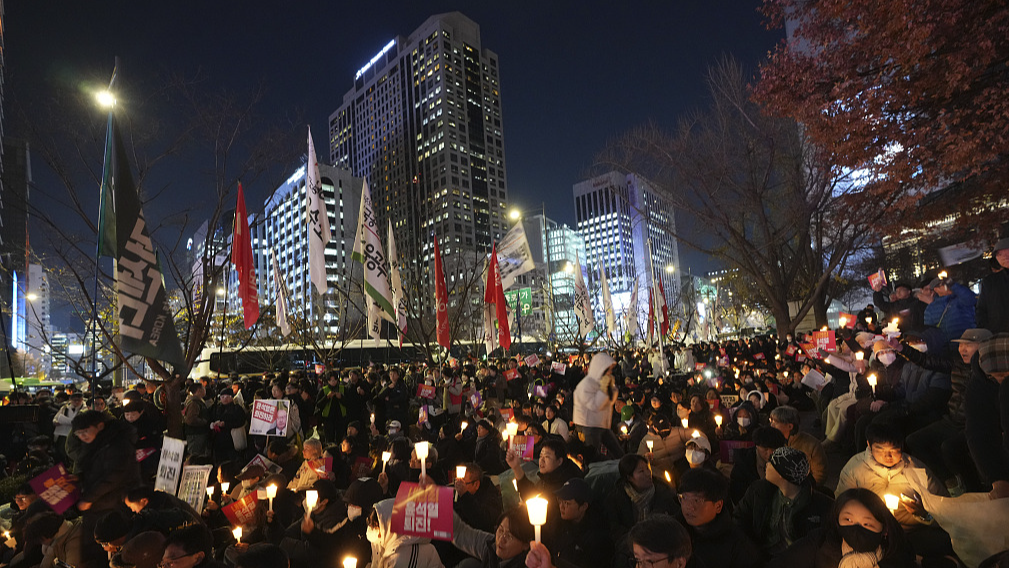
<point x="765" y="451"/>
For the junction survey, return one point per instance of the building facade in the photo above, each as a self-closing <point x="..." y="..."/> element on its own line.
<point x="423" y="124"/>
<point x="617" y="215"/>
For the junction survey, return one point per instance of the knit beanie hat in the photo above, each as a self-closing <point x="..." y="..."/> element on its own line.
<point x="791" y="464"/>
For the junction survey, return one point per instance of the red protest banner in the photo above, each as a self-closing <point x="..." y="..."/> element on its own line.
<point x="55" y="488"/>
<point x="423" y="512"/>
<point x="758" y="356"/>
<point x="877" y="279"/>
<point x="426" y="391"/>
<point x="698" y="366"/>
<point x="322" y="466"/>
<point x="846" y="320"/>
<point x="810" y="350"/>
<point x="512" y="374"/>
<point x="243" y="511"/>
<point x="508" y="414"/>
<point x="532" y="360"/>
<point x="790" y="350"/>
<point x="825" y="340"/>
<point x="558" y="367"/>
<point x="362" y="467"/>
<point x="523" y="445"/>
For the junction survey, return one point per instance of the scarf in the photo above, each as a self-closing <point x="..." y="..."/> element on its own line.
<point x="641" y="501"/>
<point x="852" y="559"/>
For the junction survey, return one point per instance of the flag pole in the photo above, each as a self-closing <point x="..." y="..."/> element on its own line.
<point x="98" y="246"/>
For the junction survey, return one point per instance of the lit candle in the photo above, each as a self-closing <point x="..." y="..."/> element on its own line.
<point x="513" y="429"/>
<point x="224" y="488"/>
<point x="669" y="479"/>
<point x="696" y="434"/>
<point x="824" y="328"/>
<point x="685" y="422"/>
<point x="872" y="382"/>
<point x="311" y="500"/>
<point x="271" y="492"/>
<point x="623" y="428"/>
<point x="462" y="427"/>
<point x="373" y="418"/>
<point x="421" y="449"/>
<point x="892" y="501"/>
<point x="859" y="356"/>
<point x="842" y="321"/>
<point x="718" y="419"/>
<point x="650" y="444"/>
<point x="210" y="492"/>
<point x="237" y="531"/>
<point x="868" y="320"/>
<point x="385" y="459"/>
<point x="350" y="562"/>
<point x="943" y="275"/>
<point x="460" y="471"/>
<point x="515" y="484"/>
<point x="537" y="507"/>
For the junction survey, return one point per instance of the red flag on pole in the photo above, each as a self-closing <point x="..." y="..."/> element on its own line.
<point x="494" y="294"/>
<point x="665" y="309"/>
<point x="241" y="257"/>
<point x="441" y="298"/>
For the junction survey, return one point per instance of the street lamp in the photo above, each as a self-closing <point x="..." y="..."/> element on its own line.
<point x="515" y="215"/>
<point x="670" y="269"/>
<point x="32" y="296"/>
<point x="221" y="291"/>
<point x="106" y="99"/>
<point x="569" y="268"/>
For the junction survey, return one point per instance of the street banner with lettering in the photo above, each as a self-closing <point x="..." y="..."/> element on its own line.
<point x="193" y="488"/>
<point x="423" y="512"/>
<point x="514" y="256"/>
<point x="243" y="511"/>
<point x="318" y="220"/>
<point x="172" y="452"/>
<point x="269" y="417"/>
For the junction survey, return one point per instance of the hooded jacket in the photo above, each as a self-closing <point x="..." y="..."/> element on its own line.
<point x="862" y="470"/>
<point x="394" y="550"/>
<point x="593" y="404"/>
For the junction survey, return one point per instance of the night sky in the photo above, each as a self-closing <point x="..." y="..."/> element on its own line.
<point x="573" y="74"/>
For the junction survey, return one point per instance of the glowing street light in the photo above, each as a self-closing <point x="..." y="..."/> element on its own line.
<point x="515" y="214"/>
<point x="106" y="99"/>
<point x="670" y="269"/>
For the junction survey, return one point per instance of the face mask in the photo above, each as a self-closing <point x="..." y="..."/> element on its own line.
<point x="919" y="347"/>
<point x="373" y="536"/>
<point x="860" y="538"/>
<point x="743" y="421"/>
<point x="353" y="512"/>
<point x="887" y="358"/>
<point x="695" y="457"/>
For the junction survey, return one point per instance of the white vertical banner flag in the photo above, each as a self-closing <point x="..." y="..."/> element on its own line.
<point x="583" y="308"/>
<point x="632" y="313"/>
<point x="514" y="256"/>
<point x="611" y="320"/>
<point x="368" y="251"/>
<point x="281" y="290"/>
<point x="398" y="299"/>
<point x="318" y="220"/>
<point x="490" y="338"/>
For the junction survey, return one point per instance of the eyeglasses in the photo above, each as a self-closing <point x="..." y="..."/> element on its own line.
<point x="638" y="563"/>
<point x="503" y="535"/>
<point x="170" y="563"/>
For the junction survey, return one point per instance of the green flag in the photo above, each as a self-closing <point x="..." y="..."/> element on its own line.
<point x="146" y="326"/>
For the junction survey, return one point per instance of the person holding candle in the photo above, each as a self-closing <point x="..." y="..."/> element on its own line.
<point x="393" y="550"/>
<point x="479" y="503"/>
<point x="884" y="468"/>
<point x="310" y="542"/>
<point x="309" y="471"/>
<point x="555" y="468"/>
<point x="632" y="429"/>
<point x="859" y="531"/>
<point x="900" y="303"/>
<point x="668" y="444"/>
<point x="506" y="547"/>
<point x="635" y="497"/>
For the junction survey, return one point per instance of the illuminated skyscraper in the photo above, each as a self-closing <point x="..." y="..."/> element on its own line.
<point x="423" y="124"/>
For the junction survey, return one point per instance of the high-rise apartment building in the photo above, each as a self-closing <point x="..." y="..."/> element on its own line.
<point x="566" y="248"/>
<point x="283" y="228"/>
<point x="423" y="124"/>
<point x="617" y="214"/>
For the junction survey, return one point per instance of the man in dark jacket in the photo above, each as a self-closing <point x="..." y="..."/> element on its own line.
<point x="107" y="469"/>
<point x="900" y="303"/>
<point x="580" y="539"/>
<point x="992" y="309"/>
<point x="783" y="507"/>
<point x="986" y="418"/>
<point x="749" y="464"/>
<point x="479" y="502"/>
<point x="716" y="540"/>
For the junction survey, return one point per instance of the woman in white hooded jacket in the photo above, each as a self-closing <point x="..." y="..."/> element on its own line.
<point x="392" y="550"/>
<point x="593" y="411"/>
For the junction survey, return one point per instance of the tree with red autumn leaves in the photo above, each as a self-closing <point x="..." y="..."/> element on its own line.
<point x="914" y="93"/>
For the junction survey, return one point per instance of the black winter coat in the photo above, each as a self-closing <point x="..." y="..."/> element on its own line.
<point x="107" y="467"/>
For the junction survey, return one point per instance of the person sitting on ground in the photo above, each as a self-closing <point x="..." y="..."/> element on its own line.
<point x="190" y="547"/>
<point x="636" y="497"/>
<point x="580" y="539"/>
<point x="389" y="549"/>
<point x="786" y="420"/>
<point x="479" y="502"/>
<point x="554" y="469"/>
<point x="308" y="472"/>
<point x="858" y="532"/>
<point x="783" y="507"/>
<point x="698" y="452"/>
<point x="142" y="551"/>
<point x="715" y="539"/>
<point x="158" y="511"/>
<point x="750" y="464"/>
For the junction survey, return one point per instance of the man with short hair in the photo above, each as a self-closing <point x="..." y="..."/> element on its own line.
<point x="750" y="464"/>
<point x="580" y="538"/>
<point x="785" y="419"/>
<point x="479" y="502"/>
<point x="660" y="542"/>
<point x="715" y="539"/>
<point x="196" y="416"/>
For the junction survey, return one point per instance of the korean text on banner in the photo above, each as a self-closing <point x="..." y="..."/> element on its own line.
<point x="55" y="487"/>
<point x="269" y="417"/>
<point x="423" y="512"/>
<point x="243" y="511"/>
<point x="426" y="391"/>
<point x="193" y="489"/>
<point x="170" y="466"/>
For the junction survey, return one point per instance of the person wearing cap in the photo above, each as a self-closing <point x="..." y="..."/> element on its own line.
<point x="783" y="507"/>
<point x="479" y="500"/>
<point x="942" y="445"/>
<point x="142" y="551"/>
<point x="950" y="306"/>
<point x="635" y="429"/>
<point x="226" y="417"/>
<point x="786" y="420"/>
<point x="580" y="538"/>
<point x="593" y="410"/>
<point x="715" y="539"/>
<point x="987" y="405"/>
<point x="884" y="468"/>
<point x="697" y="450"/>
<point x="992" y="309"/>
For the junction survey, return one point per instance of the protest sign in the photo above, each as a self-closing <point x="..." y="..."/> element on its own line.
<point x="825" y="340"/>
<point x="321" y="466"/>
<point x="144" y="453"/>
<point x="814" y="380"/>
<point x="512" y="374"/>
<point x="423" y="512"/>
<point x="269" y="417"/>
<point x="847" y="319"/>
<point x="541" y="391"/>
<point x="728" y="399"/>
<point x="523" y="445"/>
<point x="362" y="467"/>
<point x="758" y="356"/>
<point x="790" y="350"/>
<point x="558" y="367"/>
<point x="243" y="511"/>
<point x="476" y="400"/>
<point x="260" y="460"/>
<point x="193" y="488"/>
<point x="172" y="452"/>
<point x="877" y="279"/>
<point x="426" y="391"/>
<point x="508" y="414"/>
<point x="810" y="350"/>
<point x="532" y="360"/>
<point x="422" y="415"/>
<point x="699" y="366"/>
<point x="55" y="488"/>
